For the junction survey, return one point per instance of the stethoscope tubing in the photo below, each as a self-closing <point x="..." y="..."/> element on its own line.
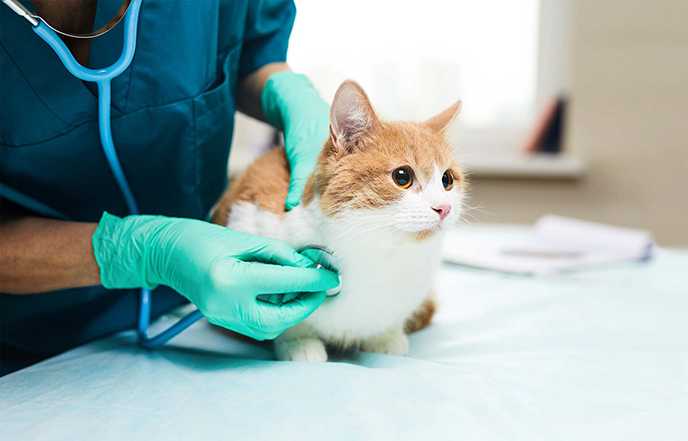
<point x="103" y="79"/>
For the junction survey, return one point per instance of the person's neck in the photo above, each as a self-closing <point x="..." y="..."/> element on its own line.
<point x="73" y="16"/>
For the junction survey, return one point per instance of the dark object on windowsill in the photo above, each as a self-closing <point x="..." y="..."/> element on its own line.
<point x="547" y="135"/>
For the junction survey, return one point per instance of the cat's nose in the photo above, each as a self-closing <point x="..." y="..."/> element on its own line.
<point x="442" y="210"/>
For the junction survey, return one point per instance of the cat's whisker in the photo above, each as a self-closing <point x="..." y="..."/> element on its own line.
<point x="472" y="217"/>
<point x="368" y="219"/>
<point x="365" y="226"/>
<point x="371" y="228"/>
<point x="479" y="208"/>
<point x="387" y="230"/>
<point x="367" y="222"/>
<point x="463" y="222"/>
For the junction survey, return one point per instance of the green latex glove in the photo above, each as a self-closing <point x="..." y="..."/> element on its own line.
<point x="219" y="270"/>
<point x="291" y="103"/>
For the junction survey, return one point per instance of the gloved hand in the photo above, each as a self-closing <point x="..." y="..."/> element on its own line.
<point x="291" y="103"/>
<point x="219" y="270"/>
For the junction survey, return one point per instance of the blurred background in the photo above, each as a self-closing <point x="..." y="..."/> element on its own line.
<point x="571" y="107"/>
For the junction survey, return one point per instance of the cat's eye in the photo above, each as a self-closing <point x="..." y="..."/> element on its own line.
<point x="403" y="177"/>
<point x="447" y="180"/>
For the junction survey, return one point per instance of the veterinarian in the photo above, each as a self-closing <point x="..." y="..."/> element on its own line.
<point x="72" y="260"/>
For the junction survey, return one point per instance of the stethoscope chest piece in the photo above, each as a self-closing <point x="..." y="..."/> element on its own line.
<point x="324" y="259"/>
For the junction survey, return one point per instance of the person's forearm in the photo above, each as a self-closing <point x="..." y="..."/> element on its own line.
<point x="250" y="88"/>
<point x="40" y="255"/>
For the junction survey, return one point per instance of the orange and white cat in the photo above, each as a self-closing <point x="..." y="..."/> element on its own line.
<point x="380" y="199"/>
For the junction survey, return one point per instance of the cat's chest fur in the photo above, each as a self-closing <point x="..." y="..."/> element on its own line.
<point x="384" y="277"/>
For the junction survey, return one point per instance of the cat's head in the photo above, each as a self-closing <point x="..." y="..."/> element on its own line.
<point x="396" y="174"/>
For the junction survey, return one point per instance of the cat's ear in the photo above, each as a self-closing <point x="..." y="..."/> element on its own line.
<point x="441" y="122"/>
<point x="351" y="116"/>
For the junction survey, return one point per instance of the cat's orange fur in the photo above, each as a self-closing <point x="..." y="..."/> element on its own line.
<point x="265" y="183"/>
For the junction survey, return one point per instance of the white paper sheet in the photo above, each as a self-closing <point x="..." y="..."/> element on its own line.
<point x="554" y="244"/>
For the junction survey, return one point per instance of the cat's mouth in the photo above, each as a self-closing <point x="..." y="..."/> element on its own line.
<point x="425" y="234"/>
<point x="426" y="228"/>
<point x="427" y="231"/>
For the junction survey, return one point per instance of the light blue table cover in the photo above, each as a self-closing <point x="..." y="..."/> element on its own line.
<point x="595" y="355"/>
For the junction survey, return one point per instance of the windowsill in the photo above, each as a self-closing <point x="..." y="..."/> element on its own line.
<point x="538" y="166"/>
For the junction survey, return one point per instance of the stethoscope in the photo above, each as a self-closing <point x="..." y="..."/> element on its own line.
<point x="103" y="79"/>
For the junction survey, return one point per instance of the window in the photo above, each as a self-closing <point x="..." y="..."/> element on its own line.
<point x="417" y="58"/>
<point x="505" y="59"/>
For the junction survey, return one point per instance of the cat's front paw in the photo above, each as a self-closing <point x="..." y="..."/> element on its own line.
<point x="306" y="349"/>
<point x="392" y="343"/>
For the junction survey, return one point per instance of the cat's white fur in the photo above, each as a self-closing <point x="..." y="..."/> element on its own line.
<point x="386" y="271"/>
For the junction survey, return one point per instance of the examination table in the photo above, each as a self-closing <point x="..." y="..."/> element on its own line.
<point x="600" y="354"/>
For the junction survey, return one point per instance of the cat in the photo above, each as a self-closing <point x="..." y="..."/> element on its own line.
<point x="381" y="198"/>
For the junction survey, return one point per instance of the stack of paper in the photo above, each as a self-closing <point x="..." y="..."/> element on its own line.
<point x="554" y="244"/>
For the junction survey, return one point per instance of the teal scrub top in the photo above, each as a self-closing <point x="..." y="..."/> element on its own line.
<point x="172" y="121"/>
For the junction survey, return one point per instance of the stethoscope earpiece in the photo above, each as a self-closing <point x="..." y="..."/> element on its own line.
<point x="34" y="19"/>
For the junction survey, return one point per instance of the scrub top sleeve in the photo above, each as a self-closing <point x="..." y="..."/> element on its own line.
<point x="266" y="37"/>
